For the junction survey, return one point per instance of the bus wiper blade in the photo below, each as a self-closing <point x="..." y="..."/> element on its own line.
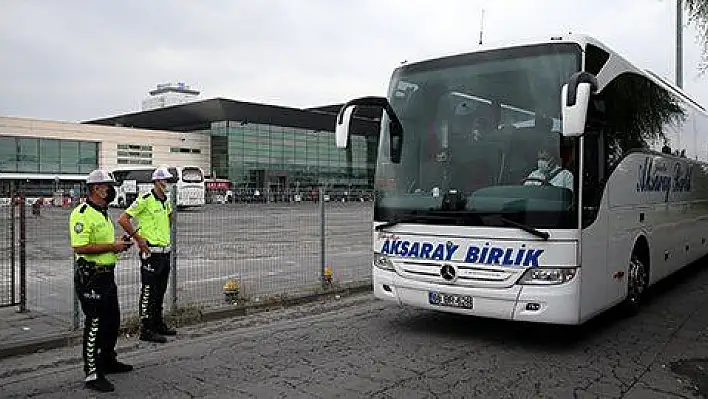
<point x="410" y="219"/>
<point x="538" y="233"/>
<point x="388" y="224"/>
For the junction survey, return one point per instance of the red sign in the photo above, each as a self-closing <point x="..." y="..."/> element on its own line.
<point x="218" y="185"/>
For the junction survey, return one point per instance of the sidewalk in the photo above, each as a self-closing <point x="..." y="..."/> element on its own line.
<point x="23" y="333"/>
<point x="30" y="331"/>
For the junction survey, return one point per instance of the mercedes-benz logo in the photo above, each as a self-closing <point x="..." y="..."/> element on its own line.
<point x="447" y="272"/>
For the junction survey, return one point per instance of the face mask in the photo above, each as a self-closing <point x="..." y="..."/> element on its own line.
<point x="110" y="194"/>
<point x="543" y="165"/>
<point x="164" y="187"/>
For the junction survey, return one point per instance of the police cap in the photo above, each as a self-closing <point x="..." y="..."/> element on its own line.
<point x="100" y="176"/>
<point x="161" y="174"/>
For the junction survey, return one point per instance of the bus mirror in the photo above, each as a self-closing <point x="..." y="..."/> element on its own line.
<point x="575" y="98"/>
<point x="344" y="117"/>
<point x="341" y="130"/>
<point x="395" y="141"/>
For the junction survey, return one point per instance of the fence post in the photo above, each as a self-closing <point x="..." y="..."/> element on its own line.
<point x="75" y="298"/>
<point x="173" y="250"/>
<point x="23" y="258"/>
<point x="323" y="260"/>
<point x="13" y="238"/>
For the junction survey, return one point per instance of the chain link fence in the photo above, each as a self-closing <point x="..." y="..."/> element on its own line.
<point x="283" y="244"/>
<point x="244" y="249"/>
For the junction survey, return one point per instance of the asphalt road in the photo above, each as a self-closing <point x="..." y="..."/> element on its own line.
<point x="271" y="248"/>
<point x="360" y="347"/>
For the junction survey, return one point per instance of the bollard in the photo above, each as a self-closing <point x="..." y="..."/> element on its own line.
<point x="327" y="275"/>
<point x="231" y="289"/>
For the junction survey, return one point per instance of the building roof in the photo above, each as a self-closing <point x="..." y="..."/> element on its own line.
<point x="373" y="113"/>
<point x="200" y="114"/>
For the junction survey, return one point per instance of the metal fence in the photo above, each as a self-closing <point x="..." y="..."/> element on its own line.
<point x="12" y="254"/>
<point x="285" y="245"/>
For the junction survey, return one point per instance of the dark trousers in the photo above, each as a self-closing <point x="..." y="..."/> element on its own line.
<point x="99" y="302"/>
<point x="154" y="276"/>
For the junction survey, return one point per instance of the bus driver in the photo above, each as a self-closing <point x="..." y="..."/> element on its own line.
<point x="550" y="172"/>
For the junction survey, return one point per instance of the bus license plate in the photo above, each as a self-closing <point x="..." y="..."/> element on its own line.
<point x="451" y="300"/>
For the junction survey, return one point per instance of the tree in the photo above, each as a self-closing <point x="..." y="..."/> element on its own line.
<point x="698" y="14"/>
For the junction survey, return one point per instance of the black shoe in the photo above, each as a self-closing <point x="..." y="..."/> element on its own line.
<point x="164" y="330"/>
<point x="152" y="336"/>
<point x="100" y="384"/>
<point x="116" y="367"/>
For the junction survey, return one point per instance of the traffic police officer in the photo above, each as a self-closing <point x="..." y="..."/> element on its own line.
<point x="154" y="215"/>
<point x="92" y="237"/>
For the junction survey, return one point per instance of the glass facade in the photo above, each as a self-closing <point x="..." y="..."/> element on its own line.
<point x="49" y="157"/>
<point x="35" y="155"/>
<point x="275" y="158"/>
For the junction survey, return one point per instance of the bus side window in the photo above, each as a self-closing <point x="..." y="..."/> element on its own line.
<point x="594" y="170"/>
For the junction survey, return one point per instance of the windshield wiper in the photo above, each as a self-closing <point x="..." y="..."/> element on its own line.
<point x="462" y="216"/>
<point x="411" y="219"/>
<point x="538" y="233"/>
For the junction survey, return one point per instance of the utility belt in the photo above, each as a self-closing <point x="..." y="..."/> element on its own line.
<point x="159" y="250"/>
<point x="91" y="266"/>
<point x="104" y="268"/>
<point x="86" y="270"/>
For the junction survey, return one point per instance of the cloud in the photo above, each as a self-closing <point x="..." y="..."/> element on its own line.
<point x="79" y="59"/>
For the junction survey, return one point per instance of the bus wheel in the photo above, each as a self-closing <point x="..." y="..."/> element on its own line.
<point x="637" y="280"/>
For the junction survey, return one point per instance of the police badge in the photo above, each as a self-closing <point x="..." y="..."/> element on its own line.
<point x="78" y="227"/>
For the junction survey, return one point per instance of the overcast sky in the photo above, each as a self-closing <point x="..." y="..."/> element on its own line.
<point x="77" y="60"/>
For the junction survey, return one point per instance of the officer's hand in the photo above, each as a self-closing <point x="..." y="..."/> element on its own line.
<point x="121" y="245"/>
<point x="142" y="244"/>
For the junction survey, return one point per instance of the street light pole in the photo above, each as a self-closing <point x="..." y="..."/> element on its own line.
<point x="679" y="44"/>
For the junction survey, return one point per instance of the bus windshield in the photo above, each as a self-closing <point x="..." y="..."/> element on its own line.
<point x="192" y="175"/>
<point x="481" y="137"/>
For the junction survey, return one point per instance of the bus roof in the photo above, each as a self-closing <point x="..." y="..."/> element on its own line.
<point x="617" y="61"/>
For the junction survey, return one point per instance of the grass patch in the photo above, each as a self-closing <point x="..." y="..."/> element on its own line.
<point x="182" y="316"/>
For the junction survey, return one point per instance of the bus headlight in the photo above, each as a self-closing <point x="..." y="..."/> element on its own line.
<point x="382" y="262"/>
<point x="548" y="276"/>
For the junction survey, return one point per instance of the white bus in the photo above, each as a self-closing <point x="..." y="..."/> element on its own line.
<point x="462" y="224"/>
<point x="134" y="181"/>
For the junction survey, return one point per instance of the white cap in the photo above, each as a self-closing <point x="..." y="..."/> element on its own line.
<point x="161" y="174"/>
<point x="99" y="176"/>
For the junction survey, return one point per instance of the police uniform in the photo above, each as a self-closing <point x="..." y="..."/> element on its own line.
<point x="153" y="216"/>
<point x="95" y="286"/>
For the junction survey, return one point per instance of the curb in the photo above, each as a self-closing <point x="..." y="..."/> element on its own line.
<point x="69" y="338"/>
<point x="249" y="309"/>
<point x="24" y="347"/>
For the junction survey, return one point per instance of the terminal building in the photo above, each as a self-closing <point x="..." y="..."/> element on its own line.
<point x="254" y="146"/>
<point x="39" y="158"/>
